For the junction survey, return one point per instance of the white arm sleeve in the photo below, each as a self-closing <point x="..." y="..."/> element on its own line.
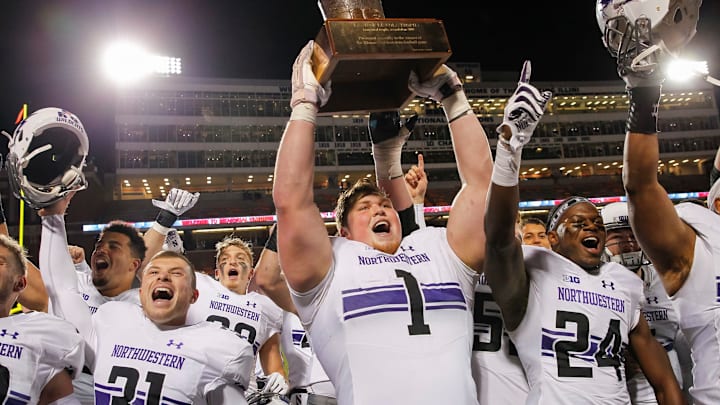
<point x="58" y="273"/>
<point x="419" y="214"/>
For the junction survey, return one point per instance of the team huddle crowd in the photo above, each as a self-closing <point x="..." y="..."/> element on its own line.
<point x="600" y="305"/>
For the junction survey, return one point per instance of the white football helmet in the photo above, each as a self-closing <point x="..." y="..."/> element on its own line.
<point x="615" y="216"/>
<point x="46" y="156"/>
<point x="640" y="32"/>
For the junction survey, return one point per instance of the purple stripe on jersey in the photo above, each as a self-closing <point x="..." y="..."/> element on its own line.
<point x="14" y="401"/>
<point x="374" y="311"/>
<point x="453" y="294"/>
<point x="174" y="401"/>
<point x="462" y="307"/>
<point x="20" y="395"/>
<point x="102" y="398"/>
<point x="108" y="388"/>
<point x="374" y="299"/>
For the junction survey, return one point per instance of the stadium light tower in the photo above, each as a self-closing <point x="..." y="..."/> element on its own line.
<point x="682" y="69"/>
<point x="125" y="62"/>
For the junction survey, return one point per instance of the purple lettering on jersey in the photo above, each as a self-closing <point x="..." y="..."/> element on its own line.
<point x="399" y="258"/>
<point x="236" y="310"/>
<point x="149" y="356"/>
<point x="591" y="298"/>
<point x="11" y="351"/>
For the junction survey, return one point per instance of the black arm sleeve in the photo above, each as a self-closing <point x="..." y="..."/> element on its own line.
<point x="407" y="221"/>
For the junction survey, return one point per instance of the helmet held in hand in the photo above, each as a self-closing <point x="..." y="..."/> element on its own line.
<point x="46" y="156"/>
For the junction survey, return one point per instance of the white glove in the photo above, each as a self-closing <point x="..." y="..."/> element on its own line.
<point x="177" y="202"/>
<point x="173" y="242"/>
<point x="305" y="87"/>
<point x="276" y="384"/>
<point x="524" y="110"/>
<point x="443" y="83"/>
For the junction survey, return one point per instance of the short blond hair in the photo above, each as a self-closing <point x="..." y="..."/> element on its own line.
<point x="232" y="241"/>
<point x="18" y="252"/>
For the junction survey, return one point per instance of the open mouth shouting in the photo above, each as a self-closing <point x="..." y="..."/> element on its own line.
<point x="592" y="244"/>
<point x="381" y="227"/>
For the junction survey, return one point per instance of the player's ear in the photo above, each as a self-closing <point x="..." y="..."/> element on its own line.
<point x="553" y="238"/>
<point x="20" y="284"/>
<point x="344" y="232"/>
<point x="195" y="296"/>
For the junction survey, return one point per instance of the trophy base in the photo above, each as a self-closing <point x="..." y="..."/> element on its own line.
<point x="369" y="61"/>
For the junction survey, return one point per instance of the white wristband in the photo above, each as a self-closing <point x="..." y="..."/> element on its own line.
<point x="163" y="230"/>
<point x="305" y="112"/>
<point x="419" y="214"/>
<point x="456" y="105"/>
<point x="506" y="170"/>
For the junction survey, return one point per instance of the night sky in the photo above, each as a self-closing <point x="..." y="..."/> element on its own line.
<point x="51" y="49"/>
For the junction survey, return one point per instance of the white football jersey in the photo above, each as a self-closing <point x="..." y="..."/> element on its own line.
<point x="660" y="316"/>
<point x="698" y="303"/>
<point x="499" y="375"/>
<point x="394" y="328"/>
<point x="253" y="316"/>
<point x="579" y="324"/>
<point x="34" y="347"/>
<point x="139" y="363"/>
<point x="304" y="370"/>
<point x="94" y="299"/>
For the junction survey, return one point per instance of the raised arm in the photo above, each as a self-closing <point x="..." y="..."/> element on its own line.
<point x="416" y="182"/>
<point x="668" y="242"/>
<point x="268" y="275"/>
<point x="303" y="243"/>
<point x="504" y="264"/>
<point x="474" y="161"/>
<point x="177" y="203"/>
<point x="58" y="273"/>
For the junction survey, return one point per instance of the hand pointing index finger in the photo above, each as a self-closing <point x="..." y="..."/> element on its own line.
<point x="525" y="74"/>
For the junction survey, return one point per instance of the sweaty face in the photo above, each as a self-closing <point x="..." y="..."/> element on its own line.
<point x="534" y="234"/>
<point x="374" y="221"/>
<point x="112" y="263"/>
<point x="621" y="240"/>
<point x="234" y="269"/>
<point x="580" y="236"/>
<point x="166" y="291"/>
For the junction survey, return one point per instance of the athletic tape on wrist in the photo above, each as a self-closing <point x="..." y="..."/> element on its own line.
<point x="304" y="112"/>
<point x="456" y="106"/>
<point x="387" y="161"/>
<point x="506" y="169"/>
<point x="162" y="230"/>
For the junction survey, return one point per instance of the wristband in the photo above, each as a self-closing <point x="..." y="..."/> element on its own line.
<point x="407" y="221"/>
<point x="304" y="112"/>
<point x="643" y="110"/>
<point x="166" y="218"/>
<point x="271" y="242"/>
<point x="162" y="230"/>
<point x="506" y="170"/>
<point x="419" y="214"/>
<point x="455" y="106"/>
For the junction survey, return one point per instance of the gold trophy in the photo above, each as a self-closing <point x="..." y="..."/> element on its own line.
<point x="369" y="57"/>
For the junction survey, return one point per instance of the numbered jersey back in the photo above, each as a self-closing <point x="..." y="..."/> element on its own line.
<point x="34" y="347"/>
<point x="579" y="322"/>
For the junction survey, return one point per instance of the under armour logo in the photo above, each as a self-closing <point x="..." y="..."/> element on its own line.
<point x="223" y="296"/>
<point x="251" y="304"/>
<point x="608" y="284"/>
<point x="177" y="345"/>
<point x="408" y="248"/>
<point x="651" y="300"/>
<point x="13" y="335"/>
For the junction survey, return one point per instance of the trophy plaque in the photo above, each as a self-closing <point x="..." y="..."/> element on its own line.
<point x="369" y="57"/>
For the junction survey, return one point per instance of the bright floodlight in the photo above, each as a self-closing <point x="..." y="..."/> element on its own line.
<point x="125" y="62"/>
<point x="681" y="69"/>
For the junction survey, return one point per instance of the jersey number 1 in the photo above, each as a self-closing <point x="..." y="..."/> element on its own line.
<point x="415" y="300"/>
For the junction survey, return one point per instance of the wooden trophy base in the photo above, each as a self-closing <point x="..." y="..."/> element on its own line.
<point x="369" y="61"/>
